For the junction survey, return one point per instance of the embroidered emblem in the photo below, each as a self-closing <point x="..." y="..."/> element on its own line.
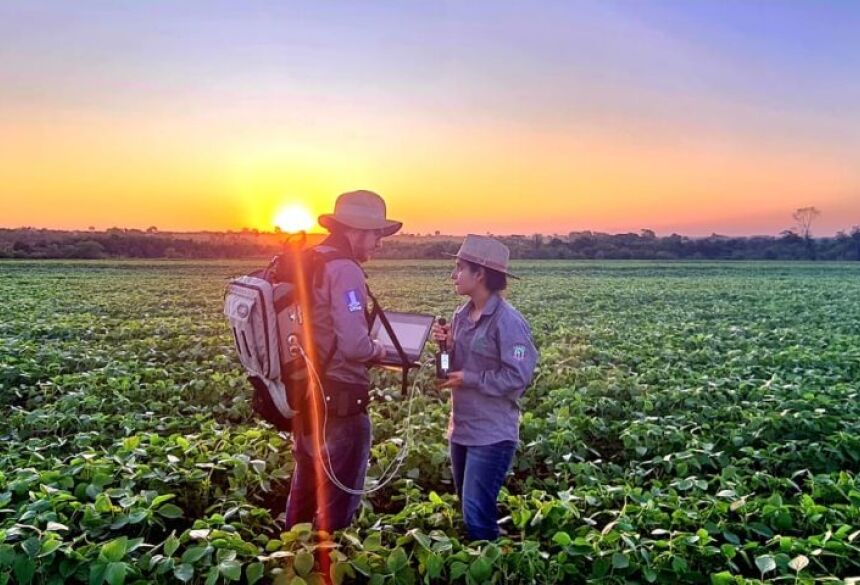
<point x="519" y="352"/>
<point x="353" y="304"/>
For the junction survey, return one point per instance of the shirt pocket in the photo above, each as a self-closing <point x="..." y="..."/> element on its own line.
<point x="484" y="352"/>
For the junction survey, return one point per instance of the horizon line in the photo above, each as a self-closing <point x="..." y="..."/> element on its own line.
<point x="437" y="234"/>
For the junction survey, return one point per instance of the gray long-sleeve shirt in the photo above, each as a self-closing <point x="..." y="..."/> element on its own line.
<point x="338" y="313"/>
<point x="497" y="356"/>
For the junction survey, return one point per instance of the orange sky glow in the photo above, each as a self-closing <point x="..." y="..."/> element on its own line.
<point x="481" y="140"/>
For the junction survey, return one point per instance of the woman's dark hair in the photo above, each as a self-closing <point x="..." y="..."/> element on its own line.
<point x="493" y="279"/>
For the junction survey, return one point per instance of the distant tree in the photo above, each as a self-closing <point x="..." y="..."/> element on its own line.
<point x="803" y="219"/>
<point x="151" y="229"/>
<point x="647" y="234"/>
<point x="855" y="237"/>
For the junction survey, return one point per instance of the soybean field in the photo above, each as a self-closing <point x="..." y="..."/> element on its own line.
<point x="689" y="422"/>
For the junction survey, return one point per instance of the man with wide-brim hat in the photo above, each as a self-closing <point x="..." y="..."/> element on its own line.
<point x="343" y="348"/>
<point x="360" y="210"/>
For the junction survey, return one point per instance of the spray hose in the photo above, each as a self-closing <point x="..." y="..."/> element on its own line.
<point x="393" y="467"/>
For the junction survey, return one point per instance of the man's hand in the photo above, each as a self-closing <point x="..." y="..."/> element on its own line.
<point x="454" y="381"/>
<point x="379" y="352"/>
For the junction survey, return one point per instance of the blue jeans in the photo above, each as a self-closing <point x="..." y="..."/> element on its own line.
<point x="313" y="498"/>
<point x="479" y="473"/>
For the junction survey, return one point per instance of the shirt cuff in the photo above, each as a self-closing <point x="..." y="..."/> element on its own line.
<point x="471" y="379"/>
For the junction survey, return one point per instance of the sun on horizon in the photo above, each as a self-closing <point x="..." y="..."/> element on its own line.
<point x="294" y="218"/>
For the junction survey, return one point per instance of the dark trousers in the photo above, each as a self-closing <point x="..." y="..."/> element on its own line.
<point x="313" y="497"/>
<point x="479" y="473"/>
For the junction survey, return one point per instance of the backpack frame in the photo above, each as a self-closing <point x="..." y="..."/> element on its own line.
<point x="267" y="317"/>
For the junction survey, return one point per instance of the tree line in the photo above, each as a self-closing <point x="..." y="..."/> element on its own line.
<point x="116" y="243"/>
<point x="119" y="243"/>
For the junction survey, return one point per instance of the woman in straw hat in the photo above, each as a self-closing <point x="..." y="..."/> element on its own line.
<point x="493" y="359"/>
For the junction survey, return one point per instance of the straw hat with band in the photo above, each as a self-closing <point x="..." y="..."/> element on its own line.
<point x="361" y="210"/>
<point x="487" y="252"/>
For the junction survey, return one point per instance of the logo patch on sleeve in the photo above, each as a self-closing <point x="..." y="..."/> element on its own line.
<point x="353" y="302"/>
<point x="519" y="352"/>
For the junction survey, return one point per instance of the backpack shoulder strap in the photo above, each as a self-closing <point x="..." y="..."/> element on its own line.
<point x="316" y="260"/>
<point x="320" y="258"/>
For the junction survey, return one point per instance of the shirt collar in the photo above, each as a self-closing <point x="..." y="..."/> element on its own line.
<point x="340" y="243"/>
<point x="489" y="308"/>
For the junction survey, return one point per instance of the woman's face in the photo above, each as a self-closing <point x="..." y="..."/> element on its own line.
<point x="465" y="281"/>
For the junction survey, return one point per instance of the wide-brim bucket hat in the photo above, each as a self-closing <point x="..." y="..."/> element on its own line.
<point x="361" y="210"/>
<point x="487" y="252"/>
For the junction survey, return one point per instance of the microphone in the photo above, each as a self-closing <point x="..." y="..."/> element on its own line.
<point x="443" y="359"/>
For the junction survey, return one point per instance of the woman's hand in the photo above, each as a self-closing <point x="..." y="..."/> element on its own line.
<point x="454" y="381"/>
<point x="443" y="333"/>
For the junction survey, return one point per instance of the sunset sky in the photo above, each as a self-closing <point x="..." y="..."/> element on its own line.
<point x="467" y="116"/>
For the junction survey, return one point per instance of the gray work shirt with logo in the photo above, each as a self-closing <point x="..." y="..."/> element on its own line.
<point x="338" y="313"/>
<point x="497" y="356"/>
